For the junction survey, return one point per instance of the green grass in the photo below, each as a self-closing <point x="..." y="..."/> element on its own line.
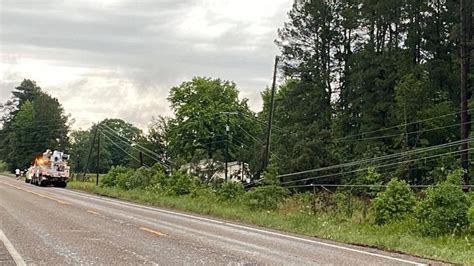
<point x="399" y="237"/>
<point x="6" y="173"/>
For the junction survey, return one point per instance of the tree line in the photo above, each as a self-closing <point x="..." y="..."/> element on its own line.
<point x="368" y="78"/>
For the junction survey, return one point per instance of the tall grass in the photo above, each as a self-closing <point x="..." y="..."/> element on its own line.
<point x="325" y="216"/>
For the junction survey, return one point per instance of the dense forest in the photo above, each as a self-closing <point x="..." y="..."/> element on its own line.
<point x="364" y="79"/>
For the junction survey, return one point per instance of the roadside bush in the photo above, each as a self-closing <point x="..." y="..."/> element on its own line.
<point x="444" y="210"/>
<point x="344" y="203"/>
<point x="230" y="190"/>
<point x="395" y="203"/>
<point x="266" y="197"/>
<point x="180" y="184"/>
<point x="111" y="179"/>
<point x="470" y="216"/>
<point x="372" y="178"/>
<point x="270" y="175"/>
<point x="3" y="166"/>
<point x="143" y="177"/>
<point x="202" y="191"/>
<point x="300" y="202"/>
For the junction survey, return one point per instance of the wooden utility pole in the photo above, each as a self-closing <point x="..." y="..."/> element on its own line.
<point x="141" y="158"/>
<point x="227" y="129"/>
<point x="466" y="17"/>
<point x="266" y="158"/>
<point x="98" y="160"/>
<point x="90" y="152"/>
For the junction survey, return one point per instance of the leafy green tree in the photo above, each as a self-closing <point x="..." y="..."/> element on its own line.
<point x="22" y="150"/>
<point x="33" y="121"/>
<point x="118" y="137"/>
<point x="156" y="141"/>
<point x="81" y="141"/>
<point x="301" y="136"/>
<point x="198" y="129"/>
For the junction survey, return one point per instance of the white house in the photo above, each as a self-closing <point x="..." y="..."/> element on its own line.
<point x="210" y="169"/>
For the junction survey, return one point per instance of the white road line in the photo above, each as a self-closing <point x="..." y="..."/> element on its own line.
<point x="250" y="228"/>
<point x="11" y="249"/>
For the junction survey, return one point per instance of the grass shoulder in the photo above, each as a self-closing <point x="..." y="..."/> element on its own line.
<point x="291" y="217"/>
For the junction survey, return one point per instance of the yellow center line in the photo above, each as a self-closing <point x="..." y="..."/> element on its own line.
<point x="38" y="194"/>
<point x="93" y="212"/>
<point x="66" y="203"/>
<point x="152" y="231"/>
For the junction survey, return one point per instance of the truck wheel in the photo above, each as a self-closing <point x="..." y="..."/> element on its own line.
<point x="62" y="184"/>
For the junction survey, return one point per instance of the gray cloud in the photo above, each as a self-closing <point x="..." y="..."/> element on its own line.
<point x="119" y="58"/>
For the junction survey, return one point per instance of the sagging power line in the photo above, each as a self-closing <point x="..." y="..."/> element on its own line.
<point x="374" y="166"/>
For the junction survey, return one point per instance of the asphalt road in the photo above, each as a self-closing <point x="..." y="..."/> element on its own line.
<point x="52" y="226"/>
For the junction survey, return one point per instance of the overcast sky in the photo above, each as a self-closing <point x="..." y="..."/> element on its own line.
<point x="119" y="58"/>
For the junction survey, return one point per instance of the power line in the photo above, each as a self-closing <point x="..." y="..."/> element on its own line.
<point x="123" y="150"/>
<point x="371" y="160"/>
<point x="203" y="138"/>
<point x="408" y="133"/>
<point x="375" y="166"/>
<point x="213" y="142"/>
<point x="143" y="149"/>
<point x="367" y="185"/>
<point x="250" y="135"/>
<point x="127" y="143"/>
<point x="400" y="125"/>
<point x="263" y="123"/>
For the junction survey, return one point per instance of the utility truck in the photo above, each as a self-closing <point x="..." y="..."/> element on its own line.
<point x="50" y="168"/>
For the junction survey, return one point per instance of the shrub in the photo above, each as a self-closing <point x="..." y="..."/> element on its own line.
<point x="266" y="197"/>
<point x="344" y="203"/>
<point x="230" y="190"/>
<point x="394" y="203"/>
<point x="139" y="179"/>
<point x="470" y="216"/>
<point x="127" y="178"/>
<point x="270" y="175"/>
<point x="304" y="201"/>
<point x="372" y="178"/>
<point x="444" y="210"/>
<point x="180" y="184"/>
<point x="3" y="166"/>
<point x="111" y="178"/>
<point x="202" y="191"/>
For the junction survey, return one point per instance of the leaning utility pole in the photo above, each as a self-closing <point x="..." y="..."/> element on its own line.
<point x="90" y="152"/>
<point x="98" y="160"/>
<point x="466" y="17"/>
<point x="266" y="158"/>
<point x="227" y="129"/>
